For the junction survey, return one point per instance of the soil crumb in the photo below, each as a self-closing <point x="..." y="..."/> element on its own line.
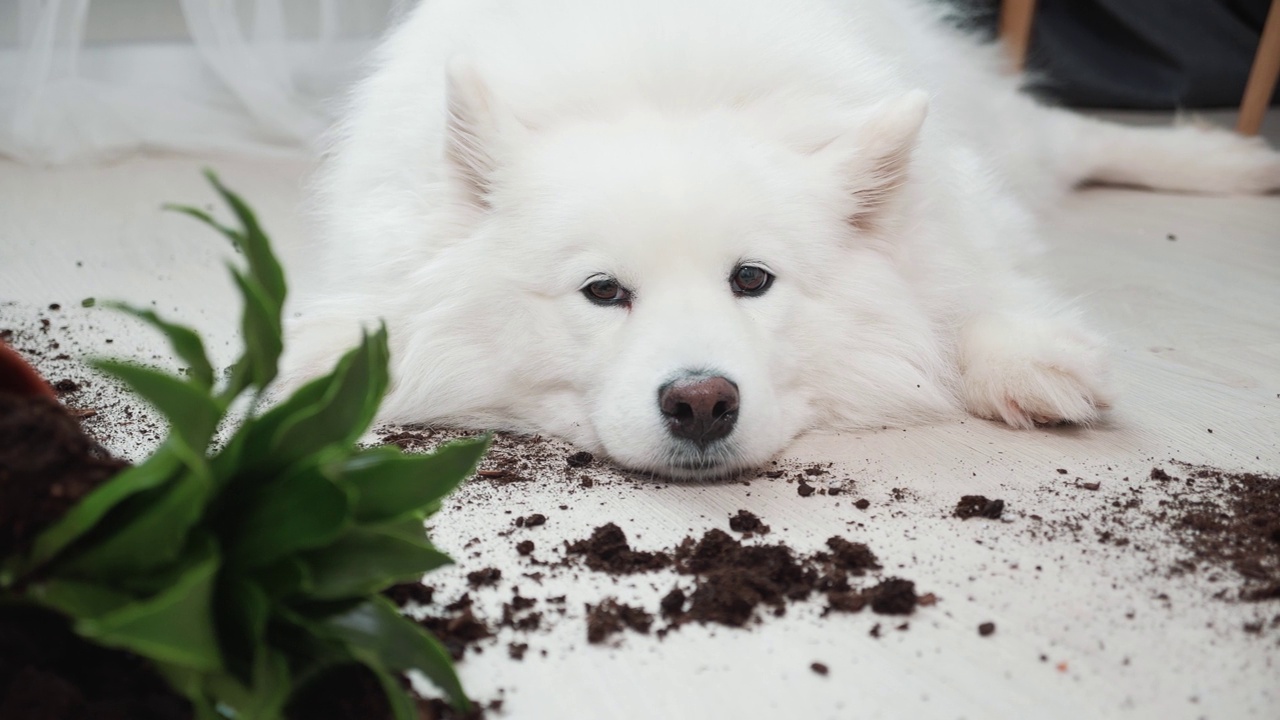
<point x="979" y="506"/>
<point x="407" y="593"/>
<point x="747" y="522"/>
<point x="610" y="617"/>
<point x="607" y="550"/>
<point x="484" y="577"/>
<point x="894" y="596"/>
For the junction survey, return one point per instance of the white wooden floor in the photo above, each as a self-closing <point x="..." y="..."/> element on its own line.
<point x="1081" y="629"/>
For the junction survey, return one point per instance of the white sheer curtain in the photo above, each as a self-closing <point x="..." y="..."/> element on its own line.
<point x="91" y="80"/>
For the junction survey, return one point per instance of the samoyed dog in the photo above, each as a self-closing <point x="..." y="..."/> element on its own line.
<point x="682" y="232"/>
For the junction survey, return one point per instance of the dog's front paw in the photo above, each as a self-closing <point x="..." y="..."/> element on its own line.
<point x="1027" y="375"/>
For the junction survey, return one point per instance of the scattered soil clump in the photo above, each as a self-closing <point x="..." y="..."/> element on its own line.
<point x="406" y="593"/>
<point x="894" y="596"/>
<point x="1227" y="520"/>
<point x="979" y="506"/>
<point x="747" y="522"/>
<point x="484" y="577"/>
<point x="607" y="551"/>
<point x="610" y="617"/>
<point x="733" y="581"/>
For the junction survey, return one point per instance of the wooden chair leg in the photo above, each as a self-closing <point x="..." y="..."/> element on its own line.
<point x="1263" y="76"/>
<point x="1015" y="28"/>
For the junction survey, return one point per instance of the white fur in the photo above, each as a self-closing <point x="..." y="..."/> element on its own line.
<point x="503" y="153"/>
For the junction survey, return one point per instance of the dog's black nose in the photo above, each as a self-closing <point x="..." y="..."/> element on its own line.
<point x="702" y="409"/>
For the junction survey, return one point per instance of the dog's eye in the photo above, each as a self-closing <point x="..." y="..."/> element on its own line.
<point x="607" y="292"/>
<point x="750" y="280"/>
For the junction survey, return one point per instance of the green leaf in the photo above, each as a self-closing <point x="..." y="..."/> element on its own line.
<point x="300" y="511"/>
<point x="79" y="599"/>
<point x="185" y="341"/>
<point x="402" y="706"/>
<point x="249" y="451"/>
<point x="164" y="464"/>
<point x="193" y="415"/>
<point x="242" y="609"/>
<point x="263" y="266"/>
<point x="364" y="561"/>
<point x="333" y="410"/>
<point x="175" y="626"/>
<point x="282" y="578"/>
<point x="390" y="484"/>
<point x="88" y="302"/>
<point x="340" y="417"/>
<point x="379" y="634"/>
<point x="219" y="696"/>
<point x="267" y="694"/>
<point x="260" y="327"/>
<point x="150" y="532"/>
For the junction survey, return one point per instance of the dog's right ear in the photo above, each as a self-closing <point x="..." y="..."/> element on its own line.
<point x="472" y="131"/>
<point x="875" y="158"/>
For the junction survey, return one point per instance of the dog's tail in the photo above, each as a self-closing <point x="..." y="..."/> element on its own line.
<point x="1189" y="157"/>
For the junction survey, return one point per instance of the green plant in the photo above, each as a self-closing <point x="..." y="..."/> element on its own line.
<point x="245" y="572"/>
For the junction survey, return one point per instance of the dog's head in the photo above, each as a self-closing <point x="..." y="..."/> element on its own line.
<point x="684" y="294"/>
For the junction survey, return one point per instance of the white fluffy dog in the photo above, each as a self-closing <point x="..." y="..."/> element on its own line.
<point x="681" y="232"/>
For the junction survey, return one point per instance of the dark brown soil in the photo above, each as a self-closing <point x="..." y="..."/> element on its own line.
<point x="48" y="673"/>
<point x="607" y="551"/>
<point x="458" y="630"/>
<point x="979" y="506"/>
<point x="1227" y="520"/>
<point x="484" y="577"/>
<point x="46" y="465"/>
<point x="747" y="522"/>
<point x="733" y="581"/>
<point x="855" y="558"/>
<point x="672" y="603"/>
<point x="986" y="628"/>
<point x="894" y="596"/>
<point x="819" y="668"/>
<point x="407" y="593"/>
<point x="352" y="692"/>
<point x="580" y="459"/>
<point x="610" y="617"/>
<point x="524" y="547"/>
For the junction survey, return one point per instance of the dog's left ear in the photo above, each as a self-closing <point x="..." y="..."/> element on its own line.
<point x="475" y="130"/>
<point x="876" y="157"/>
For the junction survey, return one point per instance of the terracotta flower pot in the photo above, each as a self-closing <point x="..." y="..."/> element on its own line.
<point x="19" y="378"/>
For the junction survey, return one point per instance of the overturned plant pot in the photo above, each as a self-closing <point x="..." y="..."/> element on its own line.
<point x="46" y="465"/>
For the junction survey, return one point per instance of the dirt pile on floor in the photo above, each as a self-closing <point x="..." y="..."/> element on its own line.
<point x="1226" y="520"/>
<point x="731" y="583"/>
